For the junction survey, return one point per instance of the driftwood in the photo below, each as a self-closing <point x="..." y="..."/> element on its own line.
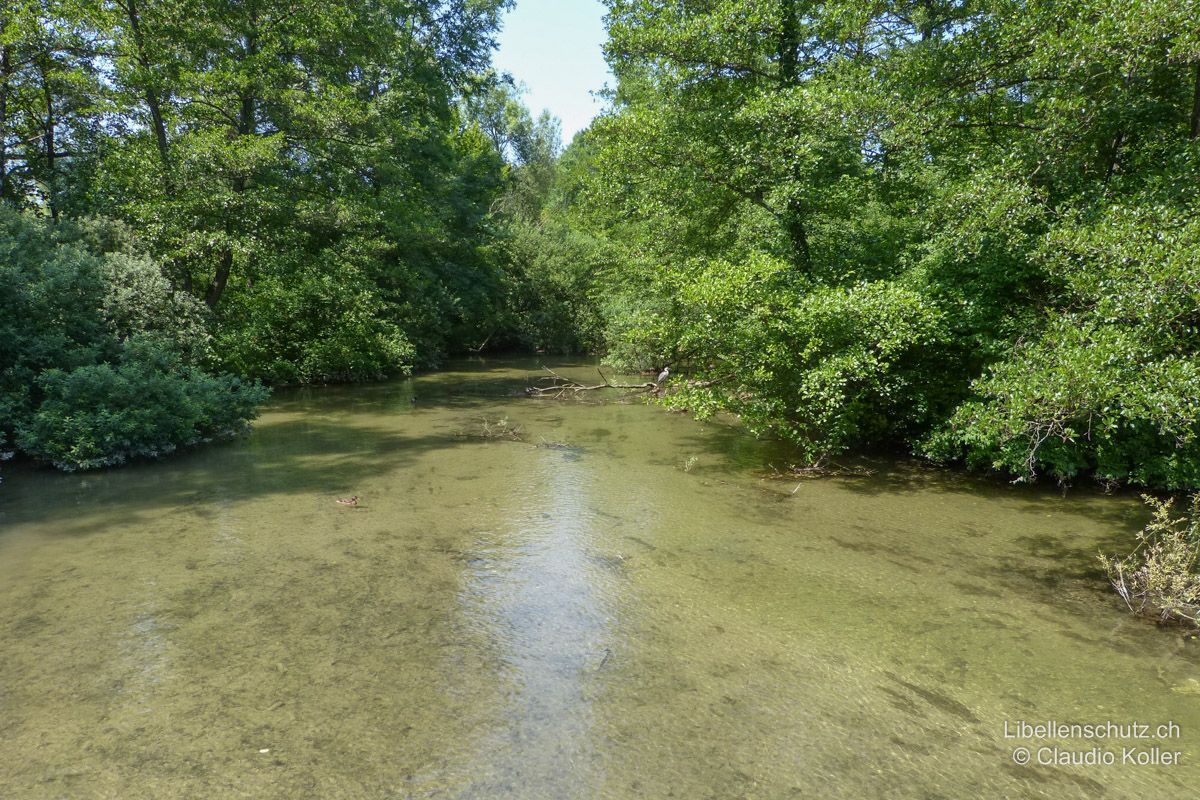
<point x="821" y="468"/>
<point x="563" y="387"/>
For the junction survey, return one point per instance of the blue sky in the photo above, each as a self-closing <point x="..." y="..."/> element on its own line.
<point x="554" y="48"/>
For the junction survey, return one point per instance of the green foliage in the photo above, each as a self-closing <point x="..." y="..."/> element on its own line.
<point x="102" y="360"/>
<point x="967" y="229"/>
<point x="1161" y="577"/>
<point x="140" y="300"/>
<point x="824" y="367"/>
<point x="552" y="269"/>
<point x="1111" y="386"/>
<point x="269" y="172"/>
<point x="551" y="264"/>
<point x="1084" y="398"/>
<point x="145" y="406"/>
<point x="316" y="326"/>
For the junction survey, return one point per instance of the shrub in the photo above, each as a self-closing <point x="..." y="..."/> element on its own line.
<point x="100" y="358"/>
<point x="310" y="327"/>
<point x="147" y="405"/>
<point x="1161" y="577"/>
<point x="553" y="267"/>
<point x="825" y="367"/>
<point x="1086" y="398"/>
<point x="1106" y="385"/>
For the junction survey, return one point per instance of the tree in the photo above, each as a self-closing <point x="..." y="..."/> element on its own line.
<point x="969" y="186"/>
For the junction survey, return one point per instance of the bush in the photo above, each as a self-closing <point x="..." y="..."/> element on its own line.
<point x="553" y="267"/>
<point x="139" y="299"/>
<point x="147" y="405"/>
<point x="824" y="367"/>
<point x="1084" y="399"/>
<point x="311" y="327"/>
<point x="100" y="358"/>
<point x="1160" y="577"/>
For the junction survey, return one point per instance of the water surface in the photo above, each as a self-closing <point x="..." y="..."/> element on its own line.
<point x="618" y="606"/>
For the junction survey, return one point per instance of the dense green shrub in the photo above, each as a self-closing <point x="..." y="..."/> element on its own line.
<point x="550" y="299"/>
<point x="1109" y="384"/>
<point x="824" y="367"/>
<point x="100" y="359"/>
<point x="139" y="299"/>
<point x="1084" y="399"/>
<point x="311" y="326"/>
<point x="146" y="405"/>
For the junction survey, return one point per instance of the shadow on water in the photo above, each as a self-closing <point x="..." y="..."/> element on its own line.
<point x="321" y="440"/>
<point x="912" y="477"/>
<point x="459" y="386"/>
<point x="283" y="457"/>
<point x="883" y="475"/>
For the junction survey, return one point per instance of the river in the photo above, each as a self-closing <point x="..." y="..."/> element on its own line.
<point x="617" y="605"/>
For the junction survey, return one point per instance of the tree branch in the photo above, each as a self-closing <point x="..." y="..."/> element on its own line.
<point x="563" y="387"/>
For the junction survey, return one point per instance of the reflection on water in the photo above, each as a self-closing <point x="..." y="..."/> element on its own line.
<point x="534" y="592"/>
<point x="617" y="607"/>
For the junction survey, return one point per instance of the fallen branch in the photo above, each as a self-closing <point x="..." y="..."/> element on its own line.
<point x="562" y="387"/>
<point x="482" y="344"/>
<point x="821" y="468"/>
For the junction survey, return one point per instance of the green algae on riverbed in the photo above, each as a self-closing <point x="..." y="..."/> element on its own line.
<point x="503" y="619"/>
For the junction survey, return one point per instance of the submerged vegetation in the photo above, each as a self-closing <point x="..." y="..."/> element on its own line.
<point x="492" y="430"/>
<point x="966" y="229"/>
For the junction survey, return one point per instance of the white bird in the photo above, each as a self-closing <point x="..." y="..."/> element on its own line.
<point x="662" y="376"/>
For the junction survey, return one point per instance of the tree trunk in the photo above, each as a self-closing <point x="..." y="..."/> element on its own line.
<point x="153" y="97"/>
<point x="927" y="24"/>
<point x="246" y="126"/>
<point x="798" y="233"/>
<point x="789" y="71"/>
<point x="220" y="279"/>
<point x="1113" y="156"/>
<point x="5" y="76"/>
<point x="789" y="43"/>
<point x="1196" y="106"/>
<point x="48" y="141"/>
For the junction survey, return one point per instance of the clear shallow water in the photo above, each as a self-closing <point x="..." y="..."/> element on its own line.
<point x="506" y="619"/>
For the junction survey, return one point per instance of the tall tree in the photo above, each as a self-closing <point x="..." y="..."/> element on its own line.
<point x="789" y="175"/>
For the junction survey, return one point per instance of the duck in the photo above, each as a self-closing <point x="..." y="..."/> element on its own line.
<point x="348" y="501"/>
